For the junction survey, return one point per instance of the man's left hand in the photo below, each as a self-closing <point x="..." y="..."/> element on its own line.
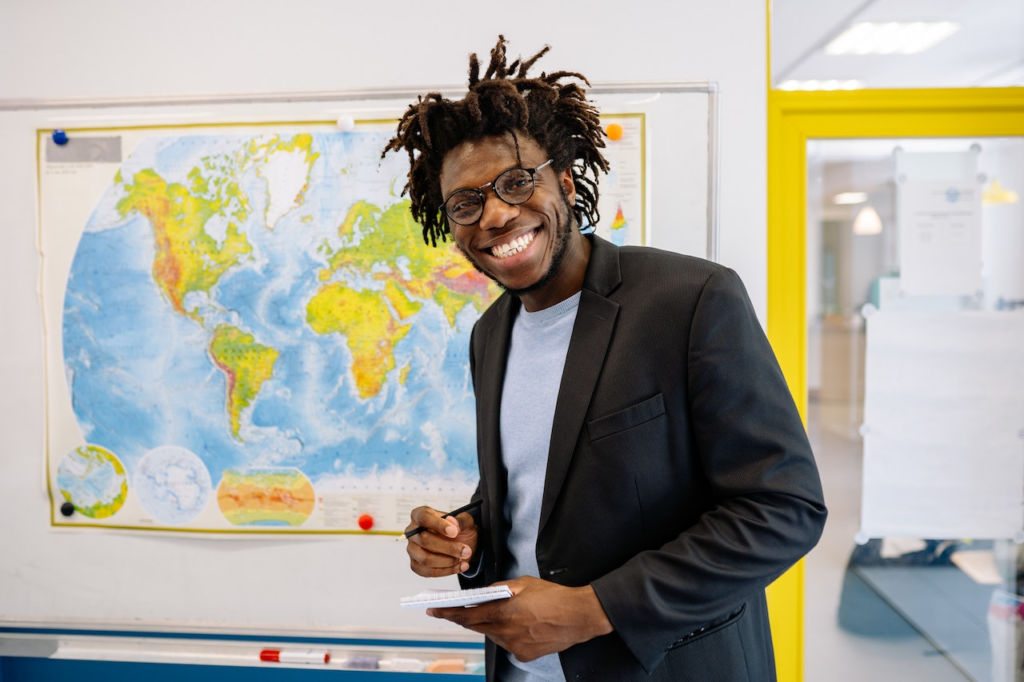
<point x="540" y="618"/>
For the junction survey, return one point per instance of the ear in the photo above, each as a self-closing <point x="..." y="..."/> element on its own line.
<point x="568" y="185"/>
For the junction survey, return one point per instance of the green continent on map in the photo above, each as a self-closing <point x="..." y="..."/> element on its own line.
<point x="365" y="321"/>
<point x="187" y="258"/>
<point x="387" y="246"/>
<point x="246" y="364"/>
<point x="285" y="165"/>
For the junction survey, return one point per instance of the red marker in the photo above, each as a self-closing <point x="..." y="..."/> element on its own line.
<point x="294" y="656"/>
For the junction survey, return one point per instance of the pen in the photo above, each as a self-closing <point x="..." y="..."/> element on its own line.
<point x="416" y="531"/>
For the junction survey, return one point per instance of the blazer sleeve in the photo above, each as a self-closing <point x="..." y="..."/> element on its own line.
<point x="767" y="508"/>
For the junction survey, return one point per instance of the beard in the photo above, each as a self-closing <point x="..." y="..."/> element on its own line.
<point x="563" y="230"/>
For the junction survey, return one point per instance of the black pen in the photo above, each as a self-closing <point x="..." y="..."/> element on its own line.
<point x="455" y="512"/>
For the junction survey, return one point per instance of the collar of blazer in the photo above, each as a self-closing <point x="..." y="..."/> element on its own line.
<point x="592" y="333"/>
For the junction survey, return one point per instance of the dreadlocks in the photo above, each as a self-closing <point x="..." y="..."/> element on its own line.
<point x="505" y="101"/>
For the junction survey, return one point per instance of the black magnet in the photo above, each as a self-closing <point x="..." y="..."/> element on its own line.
<point x="67" y="509"/>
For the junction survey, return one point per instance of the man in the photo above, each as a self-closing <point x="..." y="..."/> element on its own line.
<point x="644" y="473"/>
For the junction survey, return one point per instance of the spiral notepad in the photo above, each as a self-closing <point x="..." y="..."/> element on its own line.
<point x="441" y="598"/>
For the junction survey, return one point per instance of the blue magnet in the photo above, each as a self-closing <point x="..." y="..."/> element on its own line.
<point x="60" y="137"/>
<point x="362" y="663"/>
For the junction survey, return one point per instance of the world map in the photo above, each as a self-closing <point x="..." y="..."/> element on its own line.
<point x="252" y="323"/>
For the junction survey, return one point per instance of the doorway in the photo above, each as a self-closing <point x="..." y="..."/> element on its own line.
<point x="818" y="331"/>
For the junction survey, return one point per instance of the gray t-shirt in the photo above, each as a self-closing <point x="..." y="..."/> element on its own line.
<point x="536" y="359"/>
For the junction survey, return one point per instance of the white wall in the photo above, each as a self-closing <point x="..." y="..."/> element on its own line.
<point x="59" y="49"/>
<point x="107" y="48"/>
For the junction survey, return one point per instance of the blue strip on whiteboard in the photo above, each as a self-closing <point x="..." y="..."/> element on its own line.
<point x="391" y="643"/>
<point x="49" y="670"/>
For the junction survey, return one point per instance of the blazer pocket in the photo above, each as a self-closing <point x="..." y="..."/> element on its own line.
<point x="709" y="629"/>
<point x="715" y="652"/>
<point x="634" y="415"/>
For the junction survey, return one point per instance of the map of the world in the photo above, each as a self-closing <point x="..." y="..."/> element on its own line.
<point x="255" y="337"/>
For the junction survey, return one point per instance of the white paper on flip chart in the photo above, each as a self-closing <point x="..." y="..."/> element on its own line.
<point x="940" y="237"/>
<point x="943" y="425"/>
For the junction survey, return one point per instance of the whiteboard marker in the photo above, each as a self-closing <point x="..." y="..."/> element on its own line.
<point x="294" y="656"/>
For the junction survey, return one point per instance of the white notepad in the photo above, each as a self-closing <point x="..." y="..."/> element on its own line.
<point x="440" y="598"/>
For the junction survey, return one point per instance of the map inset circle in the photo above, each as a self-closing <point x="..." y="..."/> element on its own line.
<point x="172" y="484"/>
<point x="265" y="497"/>
<point x="93" y="479"/>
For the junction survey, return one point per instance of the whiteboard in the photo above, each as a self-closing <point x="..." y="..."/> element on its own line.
<point x="330" y="585"/>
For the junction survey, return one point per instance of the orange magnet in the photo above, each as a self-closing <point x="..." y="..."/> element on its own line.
<point x="366" y="522"/>
<point x="614" y="131"/>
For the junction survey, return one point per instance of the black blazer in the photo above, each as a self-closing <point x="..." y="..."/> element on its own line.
<point x="679" y="481"/>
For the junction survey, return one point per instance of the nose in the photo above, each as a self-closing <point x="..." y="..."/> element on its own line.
<point x="496" y="213"/>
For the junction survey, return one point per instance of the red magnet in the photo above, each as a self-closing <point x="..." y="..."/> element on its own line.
<point x="366" y="522"/>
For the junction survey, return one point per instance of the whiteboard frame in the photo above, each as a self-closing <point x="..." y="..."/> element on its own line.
<point x="49" y="617"/>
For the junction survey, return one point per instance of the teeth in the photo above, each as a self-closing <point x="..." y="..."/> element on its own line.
<point x="513" y="247"/>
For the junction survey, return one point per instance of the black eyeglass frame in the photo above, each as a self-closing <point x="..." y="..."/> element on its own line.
<point x="479" y="191"/>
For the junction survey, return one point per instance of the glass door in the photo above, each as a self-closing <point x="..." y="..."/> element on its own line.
<point x="915" y="406"/>
<point x="820" y="281"/>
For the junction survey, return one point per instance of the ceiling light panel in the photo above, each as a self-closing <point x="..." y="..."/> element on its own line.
<point x="891" y="37"/>
<point x="830" y="84"/>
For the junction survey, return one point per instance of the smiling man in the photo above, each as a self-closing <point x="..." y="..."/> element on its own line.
<point x="644" y="473"/>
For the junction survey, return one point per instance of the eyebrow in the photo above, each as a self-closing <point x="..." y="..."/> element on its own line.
<point x="445" y="195"/>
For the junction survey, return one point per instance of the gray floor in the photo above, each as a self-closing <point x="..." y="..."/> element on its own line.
<point x="875" y="642"/>
<point x="945" y="605"/>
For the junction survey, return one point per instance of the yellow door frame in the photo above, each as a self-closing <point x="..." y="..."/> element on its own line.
<point x="793" y="119"/>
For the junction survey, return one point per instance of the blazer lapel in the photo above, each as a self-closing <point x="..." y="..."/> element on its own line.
<point x="490" y="378"/>
<point x="591" y="334"/>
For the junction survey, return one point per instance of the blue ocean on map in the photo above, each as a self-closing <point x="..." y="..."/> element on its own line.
<point x="141" y="371"/>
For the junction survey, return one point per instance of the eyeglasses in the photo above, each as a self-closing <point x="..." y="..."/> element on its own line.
<point x="515" y="186"/>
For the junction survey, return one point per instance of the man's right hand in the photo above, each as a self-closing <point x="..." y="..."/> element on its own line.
<point x="446" y="547"/>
